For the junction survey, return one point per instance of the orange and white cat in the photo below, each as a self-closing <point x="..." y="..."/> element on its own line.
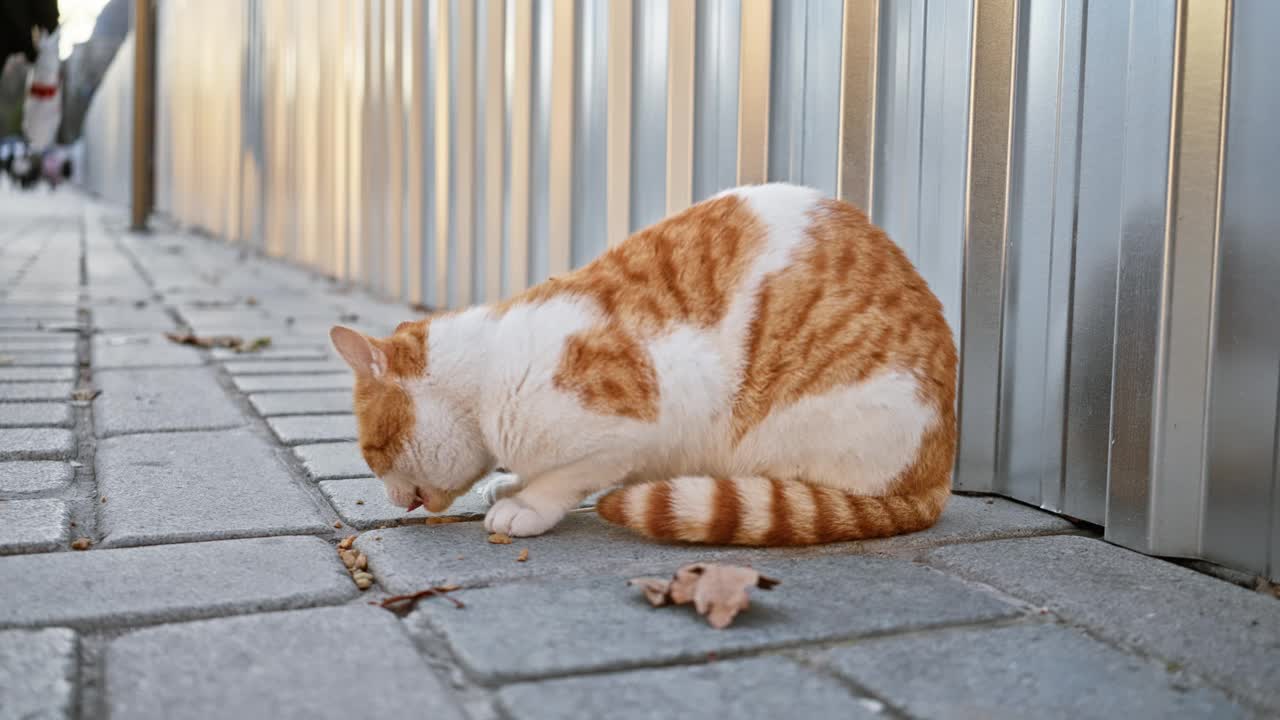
<point x="764" y="368"/>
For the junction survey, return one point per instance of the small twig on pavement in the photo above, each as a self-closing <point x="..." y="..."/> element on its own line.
<point x="404" y="604"/>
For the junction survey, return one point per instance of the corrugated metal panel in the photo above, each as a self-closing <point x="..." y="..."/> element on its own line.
<point x="1082" y="184"/>
<point x="1242" y="502"/>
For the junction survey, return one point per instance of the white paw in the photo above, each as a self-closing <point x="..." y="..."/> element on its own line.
<point x="498" y="486"/>
<point x="512" y="517"/>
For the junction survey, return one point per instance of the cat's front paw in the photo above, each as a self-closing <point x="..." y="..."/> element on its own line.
<point x="515" y="518"/>
<point x="499" y="486"/>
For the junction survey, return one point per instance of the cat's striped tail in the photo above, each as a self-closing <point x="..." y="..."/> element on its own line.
<point x="765" y="511"/>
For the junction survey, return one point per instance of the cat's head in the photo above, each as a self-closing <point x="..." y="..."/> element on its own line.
<point x="415" y="431"/>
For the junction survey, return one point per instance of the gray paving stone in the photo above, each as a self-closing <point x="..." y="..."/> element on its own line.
<point x="38" y="358"/>
<point x="300" y="429"/>
<point x="413" y="557"/>
<point x="37" y="674"/>
<point x="42" y="342"/>
<point x="36" y="415"/>
<point x="1217" y="630"/>
<point x="135" y="401"/>
<point x="280" y="383"/>
<point x="301" y="403"/>
<point x="163" y="583"/>
<point x="178" y="487"/>
<point x="127" y="317"/>
<point x="271" y="367"/>
<point x="136" y="351"/>
<point x="33" y="476"/>
<point x="37" y="374"/>
<point x="363" y="503"/>
<point x="352" y="662"/>
<point x="32" y="525"/>
<point x="330" y="461"/>
<point x="35" y="391"/>
<point x="36" y="444"/>
<point x="1047" y="670"/>
<point x="280" y="350"/>
<point x="526" y="630"/>
<point x="768" y="687"/>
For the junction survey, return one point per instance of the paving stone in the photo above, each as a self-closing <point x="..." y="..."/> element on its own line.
<point x="526" y="630"/>
<point x="35" y="391"/>
<point x="33" y="525"/>
<point x="127" y="317"/>
<point x="38" y="358"/>
<point x="769" y="687"/>
<point x="1217" y="630"/>
<point x="1007" y="671"/>
<point x="363" y="503"/>
<point x="33" y="476"/>
<point x="178" y="487"/>
<point x="330" y="461"/>
<point x="271" y="367"/>
<point x="278" y="383"/>
<point x="301" y="403"/>
<point x="414" y="557"/>
<point x="161" y="400"/>
<point x="136" y="351"/>
<point x="36" y="444"/>
<point x="37" y="674"/>
<point x="164" y="583"/>
<point x="331" y="662"/>
<point x="45" y="342"/>
<point x="37" y="374"/>
<point x="279" y="350"/>
<point x="36" y="415"/>
<point x="301" y="429"/>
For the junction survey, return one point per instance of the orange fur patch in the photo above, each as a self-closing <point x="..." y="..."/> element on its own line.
<point x="683" y="269"/>
<point x="850" y="305"/>
<point x="610" y="373"/>
<point x="384" y="411"/>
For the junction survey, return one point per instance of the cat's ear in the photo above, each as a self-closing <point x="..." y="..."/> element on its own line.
<point x="363" y="356"/>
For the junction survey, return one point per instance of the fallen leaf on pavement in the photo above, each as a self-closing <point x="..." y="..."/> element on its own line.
<point x="255" y="345"/>
<point x="203" y="341"/>
<point x="718" y="592"/>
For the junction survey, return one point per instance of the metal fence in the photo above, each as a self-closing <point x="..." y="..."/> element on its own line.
<point x="1087" y="185"/>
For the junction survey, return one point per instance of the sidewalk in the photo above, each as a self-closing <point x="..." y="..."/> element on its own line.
<point x="214" y="488"/>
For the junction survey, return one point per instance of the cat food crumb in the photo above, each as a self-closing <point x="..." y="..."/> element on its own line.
<point x="377" y="538"/>
<point x="499" y="539"/>
<point x="362" y="561"/>
<point x="359" y="502"/>
<point x="363" y="583"/>
<point x="346" y="541"/>
<point x="337" y="524"/>
<point x="523" y="556"/>
<point x="104" y="500"/>
<point x="81" y="543"/>
<point x="348" y="558"/>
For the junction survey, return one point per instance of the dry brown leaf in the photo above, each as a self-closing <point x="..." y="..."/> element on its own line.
<point x="655" y="589"/>
<point x="202" y="341"/>
<point x="85" y="395"/>
<point x="254" y="345"/>
<point x="718" y="592"/>
<point x="499" y="539"/>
